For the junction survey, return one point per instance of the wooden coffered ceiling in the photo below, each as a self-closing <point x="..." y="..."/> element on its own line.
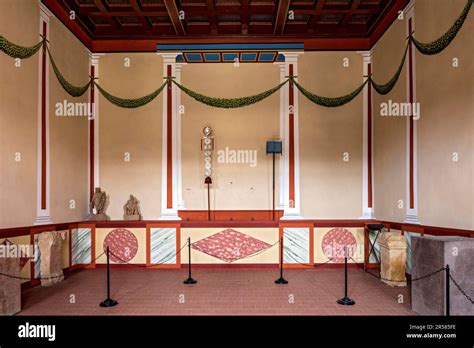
<point x="138" y="25"/>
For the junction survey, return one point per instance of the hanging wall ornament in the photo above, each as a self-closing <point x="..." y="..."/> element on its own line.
<point x="207" y="145"/>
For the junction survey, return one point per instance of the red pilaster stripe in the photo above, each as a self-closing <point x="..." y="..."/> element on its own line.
<point x="369" y="140"/>
<point x="43" y="121"/>
<point x="91" y="138"/>
<point x="169" y="148"/>
<point x="291" y="140"/>
<point x="410" y="88"/>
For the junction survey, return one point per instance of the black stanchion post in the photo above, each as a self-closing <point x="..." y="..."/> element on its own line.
<point x="190" y="280"/>
<point x="281" y="280"/>
<point x="447" y="290"/>
<point x="108" y="302"/>
<point x="273" y="188"/>
<point x="345" y="301"/>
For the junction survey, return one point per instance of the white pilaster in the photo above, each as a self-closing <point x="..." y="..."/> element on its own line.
<point x="283" y="124"/>
<point x="43" y="214"/>
<point x="177" y="92"/>
<point x="367" y="211"/>
<point x="94" y="61"/>
<point x="291" y="211"/>
<point x="411" y="212"/>
<point x="171" y="213"/>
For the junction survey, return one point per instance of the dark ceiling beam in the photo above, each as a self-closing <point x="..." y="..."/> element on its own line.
<point x="174" y="16"/>
<point x="319" y="12"/>
<point x="348" y="16"/>
<point x="245" y="16"/>
<point x="314" y="19"/>
<point x="281" y="16"/>
<point x="138" y="12"/>
<point x="211" y="15"/>
<point x="125" y="14"/>
<point x="103" y="10"/>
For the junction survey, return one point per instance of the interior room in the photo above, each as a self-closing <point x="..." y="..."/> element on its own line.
<point x="236" y="157"/>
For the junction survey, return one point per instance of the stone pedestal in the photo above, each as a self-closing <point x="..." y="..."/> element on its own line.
<point x="393" y="258"/>
<point x="51" y="245"/>
<point x="10" y="288"/>
<point x="431" y="253"/>
<point x="132" y="217"/>
<point x="98" y="217"/>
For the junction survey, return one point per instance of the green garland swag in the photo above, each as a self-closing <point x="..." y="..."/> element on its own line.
<point x="386" y="88"/>
<point x="130" y="103"/>
<point x="16" y="51"/>
<point x="440" y="44"/>
<point x="229" y="103"/>
<point x="72" y="90"/>
<point x="431" y="48"/>
<point x="330" y="102"/>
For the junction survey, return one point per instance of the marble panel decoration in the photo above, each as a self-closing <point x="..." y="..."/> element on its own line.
<point x="296" y="246"/>
<point x="123" y="245"/>
<point x="408" y="237"/>
<point x="230" y="245"/>
<point x="81" y="239"/>
<point x="430" y="253"/>
<point x="37" y="258"/>
<point x="163" y="245"/>
<point x="335" y="242"/>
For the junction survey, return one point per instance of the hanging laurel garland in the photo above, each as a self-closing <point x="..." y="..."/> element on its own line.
<point x="440" y="44"/>
<point x="386" y="88"/>
<point x="229" y="103"/>
<point x="16" y="51"/>
<point x="130" y="103"/>
<point x="74" y="91"/>
<point x="328" y="101"/>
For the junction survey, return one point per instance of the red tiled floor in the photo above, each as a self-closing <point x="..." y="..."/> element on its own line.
<point x="218" y="292"/>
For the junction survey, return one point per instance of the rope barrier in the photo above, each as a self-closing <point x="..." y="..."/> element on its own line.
<point x="155" y="264"/>
<point x="461" y="290"/>
<point x="43" y="278"/>
<point x="398" y="281"/>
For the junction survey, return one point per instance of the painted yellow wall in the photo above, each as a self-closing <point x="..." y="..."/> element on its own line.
<point x="446" y="126"/>
<point x="389" y="148"/>
<point x="68" y="135"/>
<point x="19" y="22"/>
<point x="235" y="186"/>
<point x="330" y="187"/>
<point x="136" y="131"/>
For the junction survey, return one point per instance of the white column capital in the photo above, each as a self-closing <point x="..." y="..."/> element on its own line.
<point x="94" y="57"/>
<point x="366" y="56"/>
<point x="179" y="66"/>
<point x="409" y="10"/>
<point x="45" y="13"/>
<point x="169" y="57"/>
<point x="291" y="57"/>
